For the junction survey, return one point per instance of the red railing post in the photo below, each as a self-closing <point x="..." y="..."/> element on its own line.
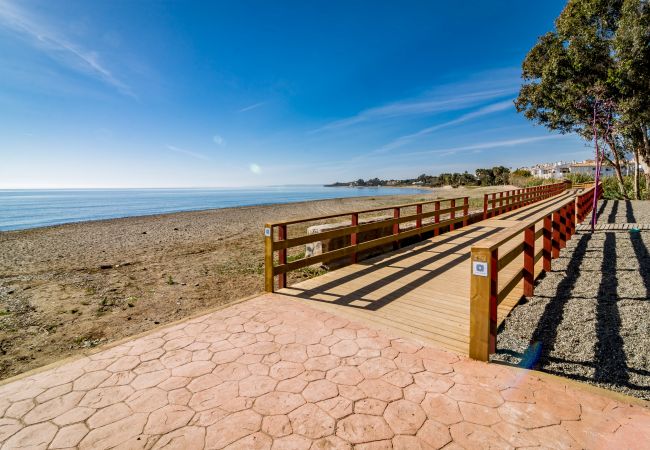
<point x="353" y="236"/>
<point x="556" y="235"/>
<point x="494" y="202"/>
<point x="500" y="202"/>
<point x="452" y="214"/>
<point x="396" y="215"/>
<point x="485" y="206"/>
<point x="436" y="217"/>
<point x="529" y="260"/>
<point x="562" y="227"/>
<point x="282" y="256"/>
<point x="547" y="240"/>
<point x="418" y="211"/>
<point x="465" y="210"/>
<point x="494" y="293"/>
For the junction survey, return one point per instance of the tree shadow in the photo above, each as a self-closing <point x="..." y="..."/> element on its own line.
<point x="609" y="359"/>
<point x="643" y="257"/>
<point x="543" y="339"/>
<point x="611" y="218"/>
<point x="629" y="212"/>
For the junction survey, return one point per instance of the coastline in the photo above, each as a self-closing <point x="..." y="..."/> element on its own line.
<point x="91" y="208"/>
<point x="118" y="277"/>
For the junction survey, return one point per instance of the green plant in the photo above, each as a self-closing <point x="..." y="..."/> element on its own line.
<point x="170" y="280"/>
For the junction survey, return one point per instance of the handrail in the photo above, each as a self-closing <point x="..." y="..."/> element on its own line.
<point x="582" y="185"/>
<point x="555" y="225"/>
<point x="446" y="218"/>
<point x="517" y="198"/>
<point x="363" y="211"/>
<point x="585" y="201"/>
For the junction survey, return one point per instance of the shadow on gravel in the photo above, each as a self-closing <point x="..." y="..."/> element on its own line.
<point x="600" y="211"/>
<point x="642" y="255"/>
<point x="629" y="212"/>
<point x="610" y="360"/>
<point x="612" y="214"/>
<point x="545" y="334"/>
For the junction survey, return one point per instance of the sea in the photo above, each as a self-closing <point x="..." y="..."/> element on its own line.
<point x="31" y="208"/>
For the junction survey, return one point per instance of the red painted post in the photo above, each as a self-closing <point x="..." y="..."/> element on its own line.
<point x="547" y="237"/>
<point x="465" y="210"/>
<point x="494" y="292"/>
<point x="485" y="206"/>
<point x="282" y="256"/>
<point x="529" y="260"/>
<point x="353" y="236"/>
<point x="562" y="227"/>
<point x="494" y="202"/>
<point x="396" y="227"/>
<point x="500" y="202"/>
<point x="556" y="235"/>
<point x="418" y="211"/>
<point x="436" y="217"/>
<point x="452" y="214"/>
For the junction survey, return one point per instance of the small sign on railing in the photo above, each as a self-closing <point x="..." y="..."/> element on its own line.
<point x="267" y="232"/>
<point x="480" y="268"/>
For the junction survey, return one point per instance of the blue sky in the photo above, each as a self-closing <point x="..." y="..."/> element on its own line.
<point x="183" y="94"/>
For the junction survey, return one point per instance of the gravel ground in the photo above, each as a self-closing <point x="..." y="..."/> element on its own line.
<point x="590" y="316"/>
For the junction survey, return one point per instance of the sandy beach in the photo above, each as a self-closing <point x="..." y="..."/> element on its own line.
<point x="68" y="288"/>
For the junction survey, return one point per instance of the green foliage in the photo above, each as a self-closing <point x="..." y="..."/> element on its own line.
<point x="611" y="191"/>
<point x="495" y="176"/>
<point x="579" y="177"/>
<point x="598" y="54"/>
<point x="522" y="173"/>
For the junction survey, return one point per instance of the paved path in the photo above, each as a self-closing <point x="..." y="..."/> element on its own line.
<point x="274" y="373"/>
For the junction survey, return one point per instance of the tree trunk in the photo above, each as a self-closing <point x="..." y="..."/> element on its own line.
<point x="617" y="168"/>
<point x="637" y="194"/>
<point x="644" y="159"/>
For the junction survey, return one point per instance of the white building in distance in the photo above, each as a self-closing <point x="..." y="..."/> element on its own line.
<point x="561" y="169"/>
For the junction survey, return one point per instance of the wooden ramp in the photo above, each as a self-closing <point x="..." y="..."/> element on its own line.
<point x="421" y="291"/>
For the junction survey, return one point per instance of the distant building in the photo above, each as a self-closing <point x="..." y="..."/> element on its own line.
<point x="560" y="169"/>
<point x="588" y="167"/>
<point x="550" y="170"/>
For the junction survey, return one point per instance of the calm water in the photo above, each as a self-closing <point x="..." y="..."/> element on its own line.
<point x="20" y="209"/>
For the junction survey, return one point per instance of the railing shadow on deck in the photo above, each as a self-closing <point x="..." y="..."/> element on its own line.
<point x="393" y="261"/>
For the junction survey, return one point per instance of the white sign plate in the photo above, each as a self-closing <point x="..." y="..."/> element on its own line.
<point x="267" y="232"/>
<point x="480" y="268"/>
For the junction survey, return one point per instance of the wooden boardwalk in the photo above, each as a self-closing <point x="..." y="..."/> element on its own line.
<point x="421" y="291"/>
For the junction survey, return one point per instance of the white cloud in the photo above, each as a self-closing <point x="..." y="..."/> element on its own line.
<point x="188" y="152"/>
<point x="251" y="107"/>
<point x="256" y="169"/>
<point x="59" y="47"/>
<point x="484" y="111"/>
<point x="476" y="89"/>
<point x="487" y="145"/>
<point x="218" y="140"/>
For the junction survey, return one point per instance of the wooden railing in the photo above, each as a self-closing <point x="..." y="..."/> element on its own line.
<point x="505" y="201"/>
<point x="582" y="185"/>
<point x="555" y="225"/>
<point x="585" y="200"/>
<point x="277" y="239"/>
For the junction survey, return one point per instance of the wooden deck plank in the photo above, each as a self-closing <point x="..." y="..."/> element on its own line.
<point x="420" y="291"/>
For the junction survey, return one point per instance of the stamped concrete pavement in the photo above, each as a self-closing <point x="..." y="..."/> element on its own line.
<point x="274" y="373"/>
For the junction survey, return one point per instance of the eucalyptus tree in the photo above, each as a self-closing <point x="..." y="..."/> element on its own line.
<point x="590" y="76"/>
